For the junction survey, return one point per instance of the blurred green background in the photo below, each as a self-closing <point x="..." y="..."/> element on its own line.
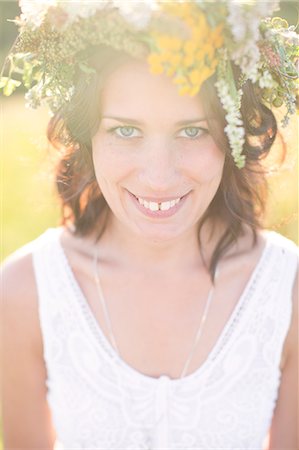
<point x="28" y="200"/>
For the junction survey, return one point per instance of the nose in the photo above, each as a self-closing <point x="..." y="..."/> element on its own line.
<point x="159" y="168"/>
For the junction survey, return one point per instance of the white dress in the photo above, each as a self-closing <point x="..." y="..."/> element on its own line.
<point x="98" y="401"/>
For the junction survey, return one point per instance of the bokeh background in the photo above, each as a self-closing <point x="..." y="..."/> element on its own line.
<point x="28" y="199"/>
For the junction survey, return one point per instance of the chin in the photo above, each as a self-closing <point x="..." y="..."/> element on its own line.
<point x="160" y="232"/>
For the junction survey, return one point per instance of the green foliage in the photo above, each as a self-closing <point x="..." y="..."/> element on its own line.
<point x="8" y="85"/>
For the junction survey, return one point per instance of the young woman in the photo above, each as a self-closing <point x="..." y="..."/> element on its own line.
<point x="159" y="314"/>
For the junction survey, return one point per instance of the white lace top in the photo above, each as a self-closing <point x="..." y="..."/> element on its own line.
<point x="98" y="401"/>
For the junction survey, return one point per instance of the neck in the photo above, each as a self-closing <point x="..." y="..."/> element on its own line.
<point x="181" y="253"/>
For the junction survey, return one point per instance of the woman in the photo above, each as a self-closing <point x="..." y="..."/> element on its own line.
<point x="160" y="314"/>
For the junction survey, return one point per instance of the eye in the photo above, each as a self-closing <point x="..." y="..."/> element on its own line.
<point x="123" y="132"/>
<point x="194" y="132"/>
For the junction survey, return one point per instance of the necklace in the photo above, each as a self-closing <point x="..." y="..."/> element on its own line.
<point x="156" y="441"/>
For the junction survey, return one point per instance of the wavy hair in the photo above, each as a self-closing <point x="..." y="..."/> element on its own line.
<point x="241" y="196"/>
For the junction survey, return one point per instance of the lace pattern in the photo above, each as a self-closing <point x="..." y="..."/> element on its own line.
<point x="100" y="402"/>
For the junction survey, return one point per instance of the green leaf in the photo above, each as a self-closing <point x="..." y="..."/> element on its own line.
<point x="27" y="75"/>
<point x="3" y="82"/>
<point x="10" y="86"/>
<point x="231" y="82"/>
<point x="86" y="69"/>
<point x="279" y="22"/>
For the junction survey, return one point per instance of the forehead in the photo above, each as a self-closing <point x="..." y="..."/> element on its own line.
<point x="131" y="90"/>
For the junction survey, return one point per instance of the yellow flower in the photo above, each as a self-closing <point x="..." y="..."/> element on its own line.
<point x="180" y="80"/>
<point x="214" y="64"/>
<point x="190" y="22"/>
<point x="188" y="60"/>
<point x="203" y="22"/>
<point x="195" y="56"/>
<point x="184" y="90"/>
<point x="154" y="60"/>
<point x="210" y="53"/>
<point x="156" y="70"/>
<point x="170" y="71"/>
<point x="195" y="76"/>
<point x="201" y="30"/>
<point x="194" y="90"/>
<point x="190" y="47"/>
<point x="175" y="44"/>
<point x="175" y="59"/>
<point x="206" y="73"/>
<point x="217" y="37"/>
<point x="164" y="41"/>
<point x="166" y="56"/>
<point x="199" y="55"/>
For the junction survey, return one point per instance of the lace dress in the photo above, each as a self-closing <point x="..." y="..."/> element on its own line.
<point x="98" y="401"/>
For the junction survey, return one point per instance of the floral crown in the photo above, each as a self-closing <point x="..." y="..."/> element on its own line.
<point x="188" y="41"/>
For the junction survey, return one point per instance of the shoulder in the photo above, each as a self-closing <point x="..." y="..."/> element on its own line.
<point x="291" y="342"/>
<point x="17" y="271"/>
<point x="23" y="372"/>
<point x="281" y="242"/>
<point x="17" y="275"/>
<point x="20" y="302"/>
<point x="285" y="254"/>
<point x="287" y="249"/>
<point x="19" y="291"/>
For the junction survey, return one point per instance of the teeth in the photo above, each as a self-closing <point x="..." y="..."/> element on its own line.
<point x="163" y="206"/>
<point x="154" y="206"/>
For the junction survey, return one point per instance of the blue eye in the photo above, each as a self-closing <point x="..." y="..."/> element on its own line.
<point x="123" y="132"/>
<point x="194" y="132"/>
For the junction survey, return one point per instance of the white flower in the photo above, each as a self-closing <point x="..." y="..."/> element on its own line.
<point x="266" y="80"/>
<point x="137" y="13"/>
<point x="234" y="128"/>
<point x="83" y="8"/>
<point x="34" y="11"/>
<point x="244" y="19"/>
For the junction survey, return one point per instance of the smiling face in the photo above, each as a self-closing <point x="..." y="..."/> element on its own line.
<point x="155" y="162"/>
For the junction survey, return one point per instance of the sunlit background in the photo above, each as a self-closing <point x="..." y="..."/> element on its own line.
<point x="28" y="200"/>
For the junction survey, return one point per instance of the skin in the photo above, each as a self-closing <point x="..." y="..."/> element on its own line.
<point x="163" y="162"/>
<point x="162" y="283"/>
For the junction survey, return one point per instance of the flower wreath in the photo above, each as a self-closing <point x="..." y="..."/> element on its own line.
<point x="188" y="41"/>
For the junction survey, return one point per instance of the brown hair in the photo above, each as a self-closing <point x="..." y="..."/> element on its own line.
<point x="241" y="196"/>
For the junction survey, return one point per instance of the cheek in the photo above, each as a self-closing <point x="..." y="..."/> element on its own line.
<point x="201" y="160"/>
<point x="206" y="161"/>
<point x="109" y="162"/>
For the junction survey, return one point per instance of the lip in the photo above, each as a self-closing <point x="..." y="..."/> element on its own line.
<point x="158" y="214"/>
<point x="159" y="199"/>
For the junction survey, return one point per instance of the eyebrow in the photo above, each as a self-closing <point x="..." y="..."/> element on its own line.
<point x="136" y="122"/>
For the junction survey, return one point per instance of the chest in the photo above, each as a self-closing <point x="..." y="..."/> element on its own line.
<point x="228" y="399"/>
<point x="154" y="321"/>
<point x="229" y="402"/>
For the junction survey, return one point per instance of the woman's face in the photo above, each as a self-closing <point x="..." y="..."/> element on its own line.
<point x="156" y="164"/>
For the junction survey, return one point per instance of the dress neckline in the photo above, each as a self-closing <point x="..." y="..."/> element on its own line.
<point x="222" y="339"/>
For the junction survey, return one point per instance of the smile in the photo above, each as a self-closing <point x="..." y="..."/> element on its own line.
<point x="158" y="210"/>
<point x="162" y="206"/>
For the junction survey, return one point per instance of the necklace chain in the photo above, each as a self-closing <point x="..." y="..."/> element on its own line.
<point x="108" y="321"/>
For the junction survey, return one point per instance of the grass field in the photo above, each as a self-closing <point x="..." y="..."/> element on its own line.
<point x="28" y="202"/>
